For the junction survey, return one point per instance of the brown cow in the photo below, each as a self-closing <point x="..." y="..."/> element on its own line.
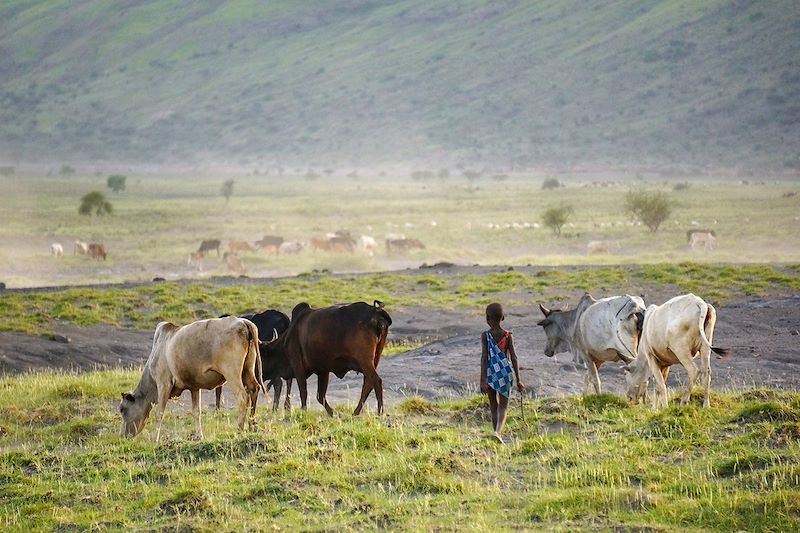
<point x="269" y="243"/>
<point x="402" y="245"/>
<point x="211" y="244"/>
<point x="240" y="246"/>
<point x="336" y="339"/>
<point x="97" y="250"/>
<point x="233" y="262"/>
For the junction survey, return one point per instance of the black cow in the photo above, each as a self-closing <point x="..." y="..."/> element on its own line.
<point x="275" y="366"/>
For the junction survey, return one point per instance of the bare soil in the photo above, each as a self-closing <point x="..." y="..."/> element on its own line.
<point x="763" y="334"/>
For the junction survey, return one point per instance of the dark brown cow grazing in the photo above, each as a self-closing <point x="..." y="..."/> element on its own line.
<point x="97" y="250"/>
<point x="337" y="339"/>
<point x="402" y="245"/>
<point x="269" y="243"/>
<point x="211" y="244"/>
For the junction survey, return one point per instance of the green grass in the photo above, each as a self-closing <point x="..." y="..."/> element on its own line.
<point x="573" y="463"/>
<point x="143" y="306"/>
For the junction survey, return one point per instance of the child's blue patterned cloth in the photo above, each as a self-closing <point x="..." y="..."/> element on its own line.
<point x="500" y="374"/>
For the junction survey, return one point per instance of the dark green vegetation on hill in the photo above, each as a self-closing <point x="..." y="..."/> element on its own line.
<point x="355" y="82"/>
<point x="574" y="464"/>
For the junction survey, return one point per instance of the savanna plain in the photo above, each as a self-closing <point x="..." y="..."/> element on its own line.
<point x="569" y="462"/>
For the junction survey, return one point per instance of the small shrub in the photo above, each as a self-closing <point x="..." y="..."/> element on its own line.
<point x="681" y="186"/>
<point x="227" y="189"/>
<point x="649" y="208"/>
<point x="95" y="203"/>
<point x="116" y="182"/>
<point x="416" y="406"/>
<point x="555" y="217"/>
<point x="551" y="183"/>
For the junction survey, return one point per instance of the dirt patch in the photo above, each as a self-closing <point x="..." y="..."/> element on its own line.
<point x="762" y="334"/>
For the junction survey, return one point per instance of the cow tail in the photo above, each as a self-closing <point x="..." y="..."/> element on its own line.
<point x="255" y="350"/>
<point x="709" y="310"/>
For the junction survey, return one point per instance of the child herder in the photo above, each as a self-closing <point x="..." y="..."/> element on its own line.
<point x="497" y="371"/>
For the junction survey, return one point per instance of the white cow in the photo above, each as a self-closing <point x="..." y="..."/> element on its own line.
<point x="674" y="332"/>
<point x="291" y="247"/>
<point x="367" y="244"/>
<point x="598" y="330"/>
<point x="201" y="355"/>
<point x="81" y="248"/>
<point x="56" y="249"/>
<point x="705" y="240"/>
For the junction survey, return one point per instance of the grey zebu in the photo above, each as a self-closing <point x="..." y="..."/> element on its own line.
<point x="674" y="332"/>
<point x="598" y="331"/>
<point x="201" y="355"/>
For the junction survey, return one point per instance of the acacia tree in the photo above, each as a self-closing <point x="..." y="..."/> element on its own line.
<point x="555" y="217"/>
<point x="116" y="182"/>
<point x="95" y="203"/>
<point x="227" y="190"/>
<point x="649" y="208"/>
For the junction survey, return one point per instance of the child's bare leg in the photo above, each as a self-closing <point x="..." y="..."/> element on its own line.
<point x="493" y="407"/>
<point x="502" y="409"/>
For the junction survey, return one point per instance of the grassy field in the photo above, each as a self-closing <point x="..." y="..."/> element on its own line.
<point x="143" y="306"/>
<point x="158" y="221"/>
<point x="572" y="463"/>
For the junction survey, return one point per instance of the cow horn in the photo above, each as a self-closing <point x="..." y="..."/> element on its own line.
<point x="274" y="335"/>
<point x="545" y="311"/>
<point x="378" y="304"/>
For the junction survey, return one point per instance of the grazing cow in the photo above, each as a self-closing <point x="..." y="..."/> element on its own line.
<point x="674" y="332"/>
<point x="233" y="262"/>
<point x="598" y="330"/>
<point x="402" y="245"/>
<point x="334" y="243"/>
<point x="201" y="355"/>
<point x="705" y="239"/>
<point x="270" y="243"/>
<point x="196" y="259"/>
<point x="367" y="244"/>
<point x="56" y="249"/>
<point x="601" y="247"/>
<point x="337" y="339"/>
<point x="211" y="244"/>
<point x="275" y="366"/>
<point x="240" y="246"/>
<point x="291" y="247"/>
<point x="81" y="248"/>
<point x="97" y="250"/>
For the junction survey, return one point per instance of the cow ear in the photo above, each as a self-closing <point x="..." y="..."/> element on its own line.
<point x="543" y="323"/>
<point x="128" y="396"/>
<point x="545" y="311"/>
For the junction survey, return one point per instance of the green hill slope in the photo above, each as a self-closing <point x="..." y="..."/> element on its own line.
<point x="357" y="82"/>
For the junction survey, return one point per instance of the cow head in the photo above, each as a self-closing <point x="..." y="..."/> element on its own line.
<point x="134" y="410"/>
<point x="557" y="340"/>
<point x="636" y="380"/>
<point x="629" y="321"/>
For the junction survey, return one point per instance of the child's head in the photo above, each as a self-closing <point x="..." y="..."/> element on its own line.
<point x="494" y="313"/>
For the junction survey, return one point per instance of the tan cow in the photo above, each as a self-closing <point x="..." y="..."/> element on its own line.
<point x="201" y="355"/>
<point x="196" y="260"/>
<point x="675" y="332"/>
<point x="705" y="240"/>
<point x="601" y="247"/>
<point x="81" y="248"/>
<point x="56" y="249"/>
<point x="233" y="262"/>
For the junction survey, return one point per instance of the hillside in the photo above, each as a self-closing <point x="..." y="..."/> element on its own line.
<point x="420" y="82"/>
